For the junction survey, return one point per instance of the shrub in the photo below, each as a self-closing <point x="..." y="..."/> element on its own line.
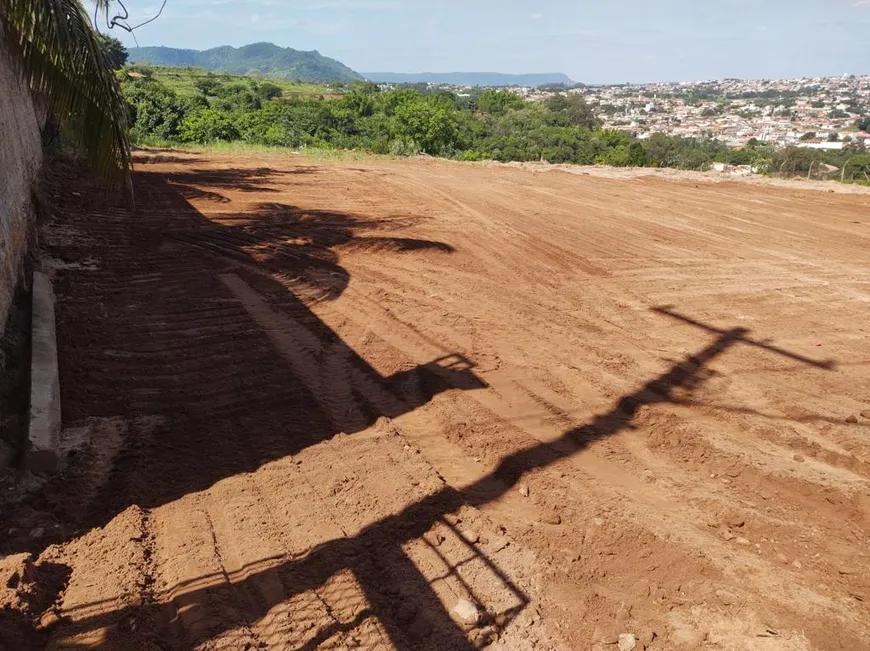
<point x="208" y="125"/>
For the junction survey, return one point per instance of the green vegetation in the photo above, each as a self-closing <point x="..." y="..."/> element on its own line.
<point x="201" y="108"/>
<point x="115" y="49"/>
<point x="263" y="59"/>
<point x="65" y="62"/>
<point x="189" y="82"/>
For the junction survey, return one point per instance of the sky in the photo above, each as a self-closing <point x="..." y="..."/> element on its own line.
<point x="592" y="41"/>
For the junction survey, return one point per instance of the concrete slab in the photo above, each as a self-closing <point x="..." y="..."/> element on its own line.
<point x="44" y="433"/>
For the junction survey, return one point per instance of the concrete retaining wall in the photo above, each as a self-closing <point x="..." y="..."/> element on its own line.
<point x="20" y="160"/>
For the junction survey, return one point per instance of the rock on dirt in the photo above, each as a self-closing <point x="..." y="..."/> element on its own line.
<point x="48" y="620"/>
<point x="524" y="490"/>
<point x="627" y="642"/>
<point x="866" y="414"/>
<point x="467" y="612"/>
<point x="551" y="518"/>
<point x="733" y="518"/>
<point x="435" y="538"/>
<point x="852" y="419"/>
<point x="483" y="637"/>
<point x="498" y="543"/>
<point x="470" y="535"/>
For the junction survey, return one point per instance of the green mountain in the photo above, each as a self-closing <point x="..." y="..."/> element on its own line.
<point x="263" y="58"/>
<point x="470" y="78"/>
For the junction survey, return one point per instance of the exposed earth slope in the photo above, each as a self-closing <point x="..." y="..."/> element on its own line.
<point x="427" y="405"/>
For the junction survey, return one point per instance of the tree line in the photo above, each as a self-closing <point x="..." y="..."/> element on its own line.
<point x="482" y="125"/>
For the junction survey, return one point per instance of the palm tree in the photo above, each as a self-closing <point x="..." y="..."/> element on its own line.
<point x="62" y="59"/>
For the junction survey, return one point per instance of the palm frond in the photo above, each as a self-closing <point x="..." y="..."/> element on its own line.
<point x="62" y="59"/>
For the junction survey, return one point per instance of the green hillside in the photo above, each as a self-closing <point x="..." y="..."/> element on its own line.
<point x="258" y="58"/>
<point x="183" y="80"/>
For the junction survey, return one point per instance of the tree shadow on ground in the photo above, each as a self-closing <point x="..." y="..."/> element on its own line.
<point x="218" y="367"/>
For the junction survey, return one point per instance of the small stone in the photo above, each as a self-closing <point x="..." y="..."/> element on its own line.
<point x="782" y="558"/>
<point x="866" y="414"/>
<point x="435" y="538"/>
<point x="37" y="532"/>
<point x="48" y="620"/>
<point x="798" y="565"/>
<point x="467" y="612"/>
<point x="799" y="458"/>
<point x="725" y="597"/>
<point x="846" y="570"/>
<point x="742" y="541"/>
<point x="733" y="519"/>
<point x="524" y="490"/>
<point x="452" y="519"/>
<point x="725" y="532"/>
<point x="627" y="642"/>
<point x="482" y="638"/>
<point x="498" y="543"/>
<point x="852" y="419"/>
<point x="552" y="518"/>
<point x="470" y="535"/>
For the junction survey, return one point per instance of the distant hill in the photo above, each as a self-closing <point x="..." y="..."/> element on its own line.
<point x="263" y="58"/>
<point x="469" y="78"/>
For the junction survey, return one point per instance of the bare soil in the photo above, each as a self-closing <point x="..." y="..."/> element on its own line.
<point x="324" y="405"/>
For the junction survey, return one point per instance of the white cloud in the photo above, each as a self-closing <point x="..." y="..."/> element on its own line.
<point x="537" y="16"/>
<point x="862" y="3"/>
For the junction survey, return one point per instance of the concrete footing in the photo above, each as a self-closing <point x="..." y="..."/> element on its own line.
<point x="43" y="455"/>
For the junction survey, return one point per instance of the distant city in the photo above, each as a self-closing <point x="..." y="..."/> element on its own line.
<point x="818" y="112"/>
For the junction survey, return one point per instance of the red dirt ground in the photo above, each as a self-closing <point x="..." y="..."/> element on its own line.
<point x="317" y="405"/>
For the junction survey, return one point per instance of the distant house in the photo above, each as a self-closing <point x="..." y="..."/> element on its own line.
<point x="817" y="143"/>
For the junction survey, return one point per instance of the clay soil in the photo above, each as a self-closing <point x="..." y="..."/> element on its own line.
<point x="429" y="405"/>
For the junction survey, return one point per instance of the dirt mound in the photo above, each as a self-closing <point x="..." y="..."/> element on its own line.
<point x="27" y="595"/>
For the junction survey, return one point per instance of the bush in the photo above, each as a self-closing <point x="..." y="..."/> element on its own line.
<point x="155" y="111"/>
<point x="208" y="125"/>
<point x="404" y="147"/>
